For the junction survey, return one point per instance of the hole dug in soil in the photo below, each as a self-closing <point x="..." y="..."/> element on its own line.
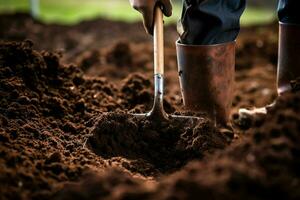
<point x="165" y="147"/>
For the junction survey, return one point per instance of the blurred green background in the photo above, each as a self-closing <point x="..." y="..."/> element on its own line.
<point x="74" y="11"/>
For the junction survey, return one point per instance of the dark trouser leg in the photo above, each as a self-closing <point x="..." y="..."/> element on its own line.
<point x="289" y="44"/>
<point x="205" y="22"/>
<point x="206" y="55"/>
<point x="288" y="11"/>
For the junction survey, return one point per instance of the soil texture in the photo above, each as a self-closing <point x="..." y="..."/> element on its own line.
<point x="66" y="129"/>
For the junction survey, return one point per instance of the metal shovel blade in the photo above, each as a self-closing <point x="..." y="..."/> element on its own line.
<point x="157" y="114"/>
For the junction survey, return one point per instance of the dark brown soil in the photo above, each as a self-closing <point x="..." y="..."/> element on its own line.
<point x="65" y="131"/>
<point x="164" y="145"/>
<point x="262" y="166"/>
<point x="49" y="110"/>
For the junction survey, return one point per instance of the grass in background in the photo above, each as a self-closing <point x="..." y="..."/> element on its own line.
<point x="74" y="11"/>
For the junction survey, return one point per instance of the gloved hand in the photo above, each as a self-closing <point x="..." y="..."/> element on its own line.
<point x="147" y="8"/>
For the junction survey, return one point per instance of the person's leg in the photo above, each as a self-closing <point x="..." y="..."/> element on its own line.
<point x="206" y="55"/>
<point x="288" y="67"/>
<point x="206" y="22"/>
<point x="288" y="11"/>
<point x="289" y="44"/>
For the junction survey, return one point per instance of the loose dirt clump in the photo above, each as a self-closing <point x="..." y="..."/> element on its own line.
<point x="120" y="55"/>
<point x="167" y="145"/>
<point x="136" y="89"/>
<point x="89" y="59"/>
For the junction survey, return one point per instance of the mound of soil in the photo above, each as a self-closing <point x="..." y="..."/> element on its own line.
<point x="166" y="145"/>
<point x="44" y="106"/>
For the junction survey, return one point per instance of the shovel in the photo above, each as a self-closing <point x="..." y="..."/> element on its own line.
<point x="157" y="113"/>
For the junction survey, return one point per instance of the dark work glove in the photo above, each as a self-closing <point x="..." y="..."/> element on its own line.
<point x="147" y="8"/>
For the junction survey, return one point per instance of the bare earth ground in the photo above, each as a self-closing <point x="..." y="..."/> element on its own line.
<point x="65" y="131"/>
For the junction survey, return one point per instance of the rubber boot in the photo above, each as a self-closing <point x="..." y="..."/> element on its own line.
<point x="288" y="67"/>
<point x="206" y="75"/>
<point x="288" y="56"/>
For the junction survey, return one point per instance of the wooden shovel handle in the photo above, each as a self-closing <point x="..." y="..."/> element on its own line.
<point x="158" y="41"/>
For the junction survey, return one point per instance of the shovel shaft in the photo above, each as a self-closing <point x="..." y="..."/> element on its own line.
<point x="158" y="42"/>
<point x="157" y="111"/>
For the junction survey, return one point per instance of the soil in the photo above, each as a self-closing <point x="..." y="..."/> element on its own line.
<point x="164" y="146"/>
<point x="66" y="131"/>
<point x="264" y="165"/>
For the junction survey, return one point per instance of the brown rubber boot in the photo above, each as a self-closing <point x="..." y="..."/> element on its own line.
<point x="206" y="75"/>
<point x="288" y="56"/>
<point x="288" y="68"/>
